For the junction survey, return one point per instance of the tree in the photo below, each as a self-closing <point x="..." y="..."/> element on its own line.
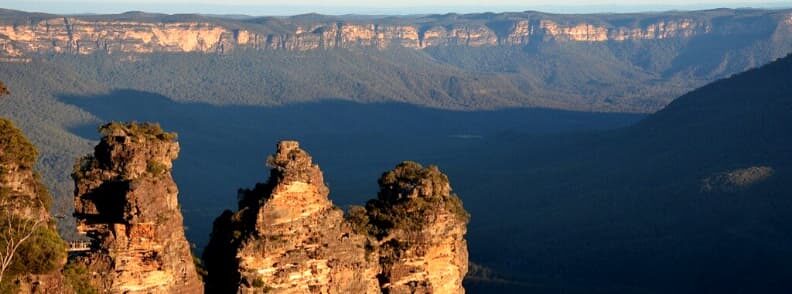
<point x="15" y="230"/>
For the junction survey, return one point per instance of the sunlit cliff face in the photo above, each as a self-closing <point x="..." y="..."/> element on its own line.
<point x="78" y="36"/>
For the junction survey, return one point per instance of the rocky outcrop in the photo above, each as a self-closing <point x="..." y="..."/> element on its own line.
<point x="71" y="35"/>
<point x="36" y="263"/>
<point x="736" y="180"/>
<point x="124" y="34"/>
<point x="126" y="203"/>
<point x="288" y="237"/>
<point x="420" y="226"/>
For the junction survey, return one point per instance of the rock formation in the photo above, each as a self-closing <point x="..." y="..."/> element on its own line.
<point x="420" y="226"/>
<point x="736" y="180"/>
<point x="126" y="33"/>
<point x="35" y="265"/>
<point x="126" y="203"/>
<point x="287" y="237"/>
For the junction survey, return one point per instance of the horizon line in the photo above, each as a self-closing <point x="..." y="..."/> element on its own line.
<point x="296" y="10"/>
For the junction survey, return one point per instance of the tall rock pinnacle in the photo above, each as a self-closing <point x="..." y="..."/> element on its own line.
<point x="126" y="203"/>
<point x="288" y="237"/>
<point x="420" y="225"/>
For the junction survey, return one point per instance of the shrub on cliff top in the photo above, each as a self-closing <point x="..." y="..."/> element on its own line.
<point x="394" y="208"/>
<point x="396" y="184"/>
<point x="147" y="130"/>
<point x="14" y="146"/>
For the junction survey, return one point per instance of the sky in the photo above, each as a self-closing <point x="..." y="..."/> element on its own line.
<point x="336" y="7"/>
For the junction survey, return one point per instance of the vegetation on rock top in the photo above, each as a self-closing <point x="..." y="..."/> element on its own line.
<point x="408" y="193"/>
<point x="43" y="251"/>
<point x="136" y="129"/>
<point x="14" y="147"/>
<point x="78" y="276"/>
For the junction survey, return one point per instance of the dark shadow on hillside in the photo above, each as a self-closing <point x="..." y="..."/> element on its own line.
<point x="582" y="212"/>
<point x="224" y="147"/>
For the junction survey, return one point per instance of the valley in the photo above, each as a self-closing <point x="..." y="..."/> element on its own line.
<point x="607" y="153"/>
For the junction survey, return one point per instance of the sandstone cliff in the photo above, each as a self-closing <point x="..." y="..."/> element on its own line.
<point x="128" y="34"/>
<point x="24" y="203"/>
<point x="126" y="203"/>
<point x="287" y="237"/>
<point x="420" y="226"/>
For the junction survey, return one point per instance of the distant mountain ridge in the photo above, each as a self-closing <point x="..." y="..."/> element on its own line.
<point x="26" y="34"/>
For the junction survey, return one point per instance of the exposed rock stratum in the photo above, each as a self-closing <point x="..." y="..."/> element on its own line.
<point x="126" y="203"/>
<point x="288" y="237"/>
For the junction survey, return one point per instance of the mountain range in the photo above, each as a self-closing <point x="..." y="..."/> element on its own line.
<point x="598" y="62"/>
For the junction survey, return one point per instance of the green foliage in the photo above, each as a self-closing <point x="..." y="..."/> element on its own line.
<point x="359" y="219"/>
<point x="78" y="277"/>
<point x="14" y="146"/>
<point x="43" y="253"/>
<point x="156" y="168"/>
<point x="408" y="177"/>
<point x="147" y="130"/>
<point x="9" y="286"/>
<point x="396" y="184"/>
<point x="408" y="195"/>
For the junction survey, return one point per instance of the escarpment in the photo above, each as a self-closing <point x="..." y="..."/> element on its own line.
<point x="126" y="203"/>
<point x="146" y="34"/>
<point x="27" y="232"/>
<point x="287" y="237"/>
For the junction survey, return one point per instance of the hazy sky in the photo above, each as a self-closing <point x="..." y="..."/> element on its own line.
<point x="272" y="7"/>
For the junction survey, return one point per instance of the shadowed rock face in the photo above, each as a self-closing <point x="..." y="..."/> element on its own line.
<point x="126" y="202"/>
<point x="287" y="237"/>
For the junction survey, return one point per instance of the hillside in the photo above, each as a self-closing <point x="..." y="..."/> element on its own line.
<point x="691" y="199"/>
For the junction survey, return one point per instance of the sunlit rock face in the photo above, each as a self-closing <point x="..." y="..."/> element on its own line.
<point x="288" y="237"/>
<point x="420" y="226"/>
<point x="126" y="203"/>
<point x="124" y="34"/>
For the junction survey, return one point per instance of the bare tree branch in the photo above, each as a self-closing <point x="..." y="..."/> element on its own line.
<point x="18" y="230"/>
